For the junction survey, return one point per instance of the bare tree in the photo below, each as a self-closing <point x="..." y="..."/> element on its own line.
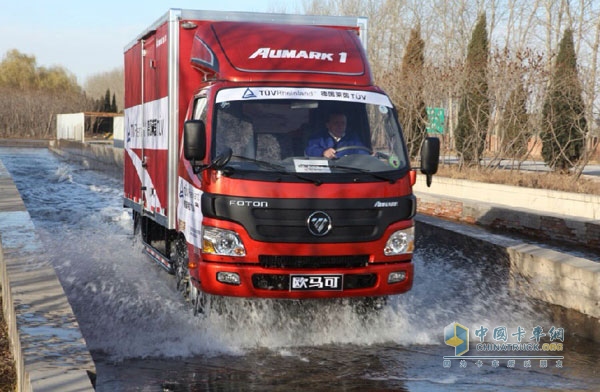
<point x="31" y="96"/>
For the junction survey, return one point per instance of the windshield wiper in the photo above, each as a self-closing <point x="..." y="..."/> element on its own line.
<point x="279" y="169"/>
<point x="364" y="171"/>
<point x="268" y="164"/>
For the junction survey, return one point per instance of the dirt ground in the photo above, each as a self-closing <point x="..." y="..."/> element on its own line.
<point x="8" y="374"/>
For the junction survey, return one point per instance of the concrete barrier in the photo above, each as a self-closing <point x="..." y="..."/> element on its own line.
<point x="98" y="156"/>
<point x="49" y="350"/>
<point x="567" y="281"/>
<point x="544" y="201"/>
<point x="44" y="143"/>
<point x="550" y="216"/>
<point x="554" y="276"/>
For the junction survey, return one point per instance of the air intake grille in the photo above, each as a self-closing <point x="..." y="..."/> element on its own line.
<point x="352" y="261"/>
<point x="285" y="220"/>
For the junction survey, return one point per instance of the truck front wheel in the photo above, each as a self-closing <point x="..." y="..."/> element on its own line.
<point x="366" y="305"/>
<point x="180" y="265"/>
<point x="180" y="259"/>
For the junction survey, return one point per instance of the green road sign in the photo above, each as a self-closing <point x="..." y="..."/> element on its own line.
<point x="435" y="120"/>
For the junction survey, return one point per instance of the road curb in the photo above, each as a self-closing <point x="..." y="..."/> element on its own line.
<point x="48" y="347"/>
<point x="542" y="220"/>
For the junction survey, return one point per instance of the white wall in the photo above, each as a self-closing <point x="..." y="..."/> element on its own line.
<point x="580" y="205"/>
<point x="70" y="126"/>
<point x="118" y="131"/>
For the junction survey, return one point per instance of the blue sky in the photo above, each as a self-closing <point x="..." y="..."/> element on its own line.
<point x="88" y="37"/>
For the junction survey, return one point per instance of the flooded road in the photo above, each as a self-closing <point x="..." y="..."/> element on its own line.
<point x="143" y="336"/>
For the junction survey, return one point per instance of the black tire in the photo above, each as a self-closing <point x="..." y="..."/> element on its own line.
<point x="180" y="260"/>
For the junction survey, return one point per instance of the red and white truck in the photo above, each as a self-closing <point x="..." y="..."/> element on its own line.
<point x="223" y="115"/>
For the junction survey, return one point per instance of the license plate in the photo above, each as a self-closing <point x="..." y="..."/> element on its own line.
<point x="316" y="282"/>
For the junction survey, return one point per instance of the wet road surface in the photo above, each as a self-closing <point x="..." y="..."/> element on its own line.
<point x="143" y="336"/>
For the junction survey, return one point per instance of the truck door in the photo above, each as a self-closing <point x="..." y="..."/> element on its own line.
<point x="148" y="86"/>
<point x="146" y="121"/>
<point x="154" y="154"/>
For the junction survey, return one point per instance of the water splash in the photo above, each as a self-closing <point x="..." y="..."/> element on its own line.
<point x="64" y="173"/>
<point x="128" y="307"/>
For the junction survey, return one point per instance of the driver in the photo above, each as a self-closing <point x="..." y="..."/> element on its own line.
<point x="326" y="143"/>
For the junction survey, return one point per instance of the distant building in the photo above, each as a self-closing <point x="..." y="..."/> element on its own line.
<point x="91" y="126"/>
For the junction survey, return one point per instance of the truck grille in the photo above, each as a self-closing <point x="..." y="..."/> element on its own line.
<point x="351" y="261"/>
<point x="286" y="220"/>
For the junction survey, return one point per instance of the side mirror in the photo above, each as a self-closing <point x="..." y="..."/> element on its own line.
<point x="194" y="140"/>
<point x="430" y="157"/>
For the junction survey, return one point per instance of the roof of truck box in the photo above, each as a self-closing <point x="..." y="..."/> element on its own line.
<point x="176" y="14"/>
<point x="253" y="47"/>
<point x="243" y="51"/>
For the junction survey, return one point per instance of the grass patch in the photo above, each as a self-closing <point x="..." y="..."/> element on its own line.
<point x="528" y="179"/>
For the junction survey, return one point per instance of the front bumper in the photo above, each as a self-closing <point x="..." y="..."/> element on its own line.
<point x="257" y="281"/>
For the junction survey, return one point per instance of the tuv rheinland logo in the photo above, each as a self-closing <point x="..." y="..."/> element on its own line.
<point x="248" y="94"/>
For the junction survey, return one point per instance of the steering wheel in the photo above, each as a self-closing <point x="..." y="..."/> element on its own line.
<point x="345" y="148"/>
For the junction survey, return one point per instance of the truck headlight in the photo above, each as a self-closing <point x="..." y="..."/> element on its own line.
<point x="400" y="242"/>
<point x="222" y="242"/>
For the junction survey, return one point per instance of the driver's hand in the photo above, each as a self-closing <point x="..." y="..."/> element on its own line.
<point x="329" y="153"/>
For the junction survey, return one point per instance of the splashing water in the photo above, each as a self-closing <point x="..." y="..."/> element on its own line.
<point x="129" y="308"/>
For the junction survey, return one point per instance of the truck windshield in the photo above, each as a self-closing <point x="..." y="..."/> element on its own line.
<point x="309" y="133"/>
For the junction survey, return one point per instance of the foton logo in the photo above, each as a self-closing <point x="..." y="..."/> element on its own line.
<point x="268" y="53"/>
<point x="319" y="223"/>
<point x="249" y="203"/>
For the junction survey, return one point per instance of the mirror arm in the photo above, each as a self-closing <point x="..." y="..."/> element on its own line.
<point x="428" y="177"/>
<point x="196" y="168"/>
